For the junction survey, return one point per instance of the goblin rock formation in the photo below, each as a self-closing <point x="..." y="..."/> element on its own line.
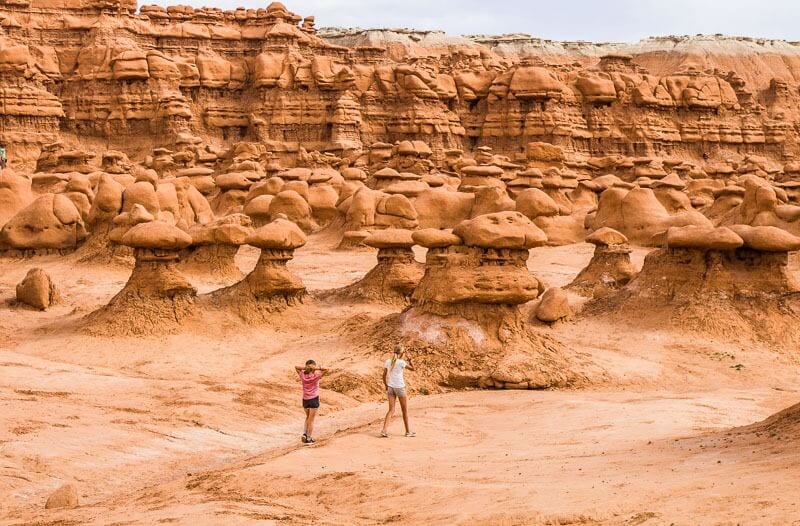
<point x="465" y="309"/>
<point x="271" y="287"/>
<point x="394" y="278"/>
<point x="156" y="298"/>
<point x="138" y="79"/>
<point x="724" y="282"/>
<point x="610" y="267"/>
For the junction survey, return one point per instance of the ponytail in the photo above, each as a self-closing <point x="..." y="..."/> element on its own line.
<point x="398" y="350"/>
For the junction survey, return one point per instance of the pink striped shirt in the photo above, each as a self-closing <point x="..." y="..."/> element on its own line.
<point x="310" y="384"/>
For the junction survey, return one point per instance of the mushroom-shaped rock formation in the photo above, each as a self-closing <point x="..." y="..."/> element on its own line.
<point x="15" y="194"/>
<point x="465" y="313"/>
<point x="271" y="287"/>
<point x="157" y="298"/>
<point x="51" y="223"/>
<point x="715" y="281"/>
<point x="610" y="267"/>
<point x="394" y="278"/>
<point x="639" y="215"/>
<point x="106" y="206"/>
<point x="214" y="247"/>
<point x="37" y="290"/>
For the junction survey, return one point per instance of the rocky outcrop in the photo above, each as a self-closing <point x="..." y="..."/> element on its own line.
<point x="271" y="287"/>
<point x="157" y="298"/>
<point x="141" y="79"/>
<point x="465" y="308"/>
<point x="393" y="280"/>
<point x="610" y="267"/>
<point x="728" y="283"/>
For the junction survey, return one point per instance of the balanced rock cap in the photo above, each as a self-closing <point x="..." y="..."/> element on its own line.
<point x="482" y="171"/>
<point x="703" y="238"/>
<point x="767" y="238"/>
<point x="390" y="238"/>
<point x="500" y="230"/>
<point x="156" y="235"/>
<point x="387" y="173"/>
<point x="606" y="236"/>
<point x="280" y="234"/>
<point x="435" y="238"/>
<point x="670" y="181"/>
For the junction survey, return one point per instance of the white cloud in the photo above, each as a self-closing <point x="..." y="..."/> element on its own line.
<point x="596" y="20"/>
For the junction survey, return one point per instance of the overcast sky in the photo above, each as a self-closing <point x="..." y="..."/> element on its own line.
<point x="596" y="20"/>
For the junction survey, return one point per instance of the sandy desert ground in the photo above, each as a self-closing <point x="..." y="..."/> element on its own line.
<point x="202" y="427"/>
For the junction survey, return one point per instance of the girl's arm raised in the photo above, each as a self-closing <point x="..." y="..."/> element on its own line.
<point x="409" y="365"/>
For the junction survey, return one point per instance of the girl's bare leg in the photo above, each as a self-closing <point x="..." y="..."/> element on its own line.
<point x="404" y="409"/>
<point x="389" y="413"/>
<point x="312" y="413"/>
<point x="305" y="423"/>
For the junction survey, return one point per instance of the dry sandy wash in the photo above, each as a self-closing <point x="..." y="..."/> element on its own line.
<point x="202" y="426"/>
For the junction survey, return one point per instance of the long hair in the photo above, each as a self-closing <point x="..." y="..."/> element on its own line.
<point x="398" y="351"/>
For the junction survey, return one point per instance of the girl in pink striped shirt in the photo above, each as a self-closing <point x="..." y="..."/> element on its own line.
<point x="310" y="375"/>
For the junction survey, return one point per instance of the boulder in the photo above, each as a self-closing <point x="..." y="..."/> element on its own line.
<point x="606" y="237"/>
<point x="280" y="234"/>
<point x="64" y="497"/>
<point x="435" y="238"/>
<point x="766" y="238"/>
<point x="703" y="238"/>
<point x="534" y="203"/>
<point x="500" y="230"/>
<point x="51" y="222"/>
<point x="37" y="290"/>
<point x="553" y="306"/>
<point x="156" y="235"/>
<point x="390" y="238"/>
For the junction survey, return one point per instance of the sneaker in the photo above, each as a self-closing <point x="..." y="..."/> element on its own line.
<point x="384" y="434"/>
<point x="303" y="438"/>
<point x="309" y="440"/>
<point x="411" y="434"/>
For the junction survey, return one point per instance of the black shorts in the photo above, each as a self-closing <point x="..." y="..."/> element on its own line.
<point x="311" y="403"/>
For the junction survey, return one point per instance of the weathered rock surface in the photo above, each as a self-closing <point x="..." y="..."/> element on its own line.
<point x="37" y="290"/>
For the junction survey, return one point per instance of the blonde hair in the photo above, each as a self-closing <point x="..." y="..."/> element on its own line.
<point x="398" y="351"/>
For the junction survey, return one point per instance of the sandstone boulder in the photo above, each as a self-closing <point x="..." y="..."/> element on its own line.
<point x="766" y="238"/>
<point x="37" y="290"/>
<point x="50" y="222"/>
<point x="703" y="238"/>
<point x="553" y="306"/>
<point x="500" y="230"/>
<point x="64" y="497"/>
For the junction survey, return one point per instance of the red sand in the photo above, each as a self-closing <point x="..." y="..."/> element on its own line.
<point x="203" y="426"/>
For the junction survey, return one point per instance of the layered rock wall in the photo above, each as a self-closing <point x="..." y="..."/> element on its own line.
<point x="88" y="71"/>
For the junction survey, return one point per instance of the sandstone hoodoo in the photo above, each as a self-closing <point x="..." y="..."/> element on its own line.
<point x="610" y="267"/>
<point x="394" y="278"/>
<point x="157" y="298"/>
<point x="214" y="247"/>
<point x="464" y="312"/>
<point x="50" y="224"/>
<point x="728" y="283"/>
<point x="271" y="287"/>
<point x="163" y="165"/>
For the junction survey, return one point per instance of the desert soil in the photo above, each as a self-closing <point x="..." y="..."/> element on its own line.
<point x="202" y="427"/>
